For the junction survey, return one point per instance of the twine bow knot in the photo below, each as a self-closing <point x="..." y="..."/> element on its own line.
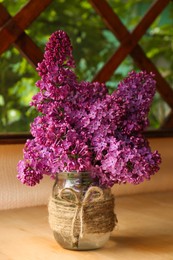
<point x="93" y="194"/>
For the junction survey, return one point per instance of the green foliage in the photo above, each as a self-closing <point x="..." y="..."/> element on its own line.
<point x="93" y="44"/>
<point x="17" y="80"/>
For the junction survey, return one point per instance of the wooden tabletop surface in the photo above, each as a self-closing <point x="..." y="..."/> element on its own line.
<point x="145" y="231"/>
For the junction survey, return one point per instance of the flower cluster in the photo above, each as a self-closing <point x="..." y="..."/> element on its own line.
<point x="83" y="128"/>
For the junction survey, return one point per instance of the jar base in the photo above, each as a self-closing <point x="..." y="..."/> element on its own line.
<point x="88" y="242"/>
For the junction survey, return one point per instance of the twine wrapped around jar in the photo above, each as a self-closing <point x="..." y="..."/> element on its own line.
<point x="72" y="217"/>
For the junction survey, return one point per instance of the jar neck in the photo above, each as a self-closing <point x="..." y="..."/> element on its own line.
<point x="79" y="181"/>
<point x="73" y="175"/>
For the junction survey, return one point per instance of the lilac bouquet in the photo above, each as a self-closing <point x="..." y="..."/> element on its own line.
<point x="83" y="128"/>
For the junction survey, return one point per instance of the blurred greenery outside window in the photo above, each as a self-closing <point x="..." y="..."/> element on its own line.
<point x="93" y="44"/>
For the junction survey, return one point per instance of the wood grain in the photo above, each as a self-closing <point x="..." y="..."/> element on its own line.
<point x="145" y="231"/>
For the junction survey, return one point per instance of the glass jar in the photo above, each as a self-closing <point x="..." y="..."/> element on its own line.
<point x="81" y="215"/>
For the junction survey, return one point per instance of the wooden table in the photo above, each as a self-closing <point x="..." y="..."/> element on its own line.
<point x="145" y="231"/>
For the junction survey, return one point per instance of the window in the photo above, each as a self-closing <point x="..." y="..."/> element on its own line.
<point x="93" y="42"/>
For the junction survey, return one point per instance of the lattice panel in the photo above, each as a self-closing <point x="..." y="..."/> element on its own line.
<point x="12" y="32"/>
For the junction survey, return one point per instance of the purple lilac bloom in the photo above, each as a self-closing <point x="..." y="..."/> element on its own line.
<point x="137" y="91"/>
<point x="126" y="161"/>
<point x="83" y="128"/>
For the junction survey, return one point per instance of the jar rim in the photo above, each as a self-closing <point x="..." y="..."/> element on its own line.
<point x="73" y="174"/>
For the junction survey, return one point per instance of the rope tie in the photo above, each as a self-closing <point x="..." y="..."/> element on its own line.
<point x="72" y="217"/>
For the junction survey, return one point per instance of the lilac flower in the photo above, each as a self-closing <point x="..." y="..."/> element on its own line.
<point x="126" y="162"/>
<point x="83" y="128"/>
<point x="137" y="91"/>
<point x="27" y="175"/>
